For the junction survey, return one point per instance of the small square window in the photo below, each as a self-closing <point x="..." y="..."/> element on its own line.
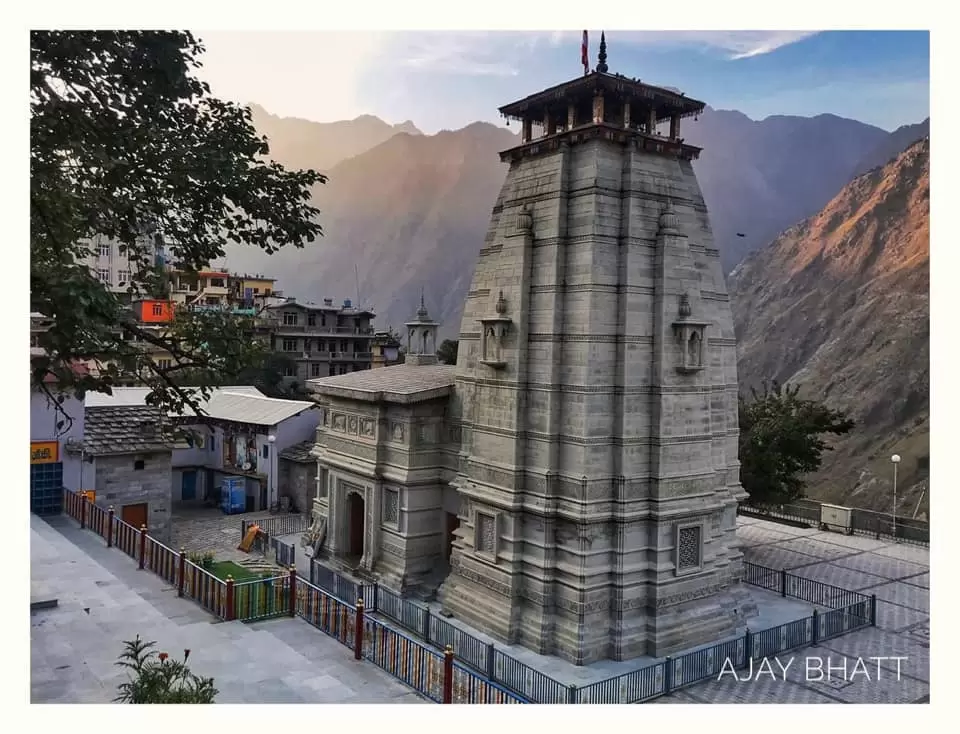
<point x="138" y="465"/>
<point x="266" y="451"/>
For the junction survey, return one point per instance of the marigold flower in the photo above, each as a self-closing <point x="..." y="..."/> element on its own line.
<point x="163" y="656"/>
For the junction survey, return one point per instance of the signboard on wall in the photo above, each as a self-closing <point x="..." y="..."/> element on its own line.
<point x="44" y="452"/>
<point x="89" y="494"/>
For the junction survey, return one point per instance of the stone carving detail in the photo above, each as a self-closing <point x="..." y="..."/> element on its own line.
<point x="391" y="506"/>
<point x="470" y="574"/>
<point x="366" y="427"/>
<point x="486" y="533"/>
<point x="339" y="422"/>
<point x="688" y="548"/>
<point x="396" y="432"/>
<point x="669" y="601"/>
<point x="352" y="424"/>
<point x="690" y="335"/>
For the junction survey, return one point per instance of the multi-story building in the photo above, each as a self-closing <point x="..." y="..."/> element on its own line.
<point x="209" y="288"/>
<point x="246" y="290"/>
<point x="112" y="266"/>
<point x="321" y="340"/>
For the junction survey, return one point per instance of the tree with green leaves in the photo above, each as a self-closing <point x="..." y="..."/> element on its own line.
<point x="155" y="677"/>
<point x="126" y="144"/>
<point x="781" y="439"/>
<point x="447" y="353"/>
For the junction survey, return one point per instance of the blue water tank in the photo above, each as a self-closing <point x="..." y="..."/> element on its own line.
<point x="346" y="303"/>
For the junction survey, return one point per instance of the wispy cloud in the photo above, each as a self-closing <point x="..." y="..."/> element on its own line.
<point x="470" y="53"/>
<point x="733" y="44"/>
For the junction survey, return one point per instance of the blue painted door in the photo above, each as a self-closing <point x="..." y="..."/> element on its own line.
<point x="188" y="489"/>
<point x="46" y="488"/>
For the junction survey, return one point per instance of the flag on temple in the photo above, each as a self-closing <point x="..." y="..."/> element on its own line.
<point x="584" y="57"/>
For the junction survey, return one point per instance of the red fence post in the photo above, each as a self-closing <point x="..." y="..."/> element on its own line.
<point x="83" y="513"/>
<point x="143" y="543"/>
<point x="293" y="591"/>
<point x="229" y="613"/>
<point x="358" y="632"/>
<point x="110" y="527"/>
<point x="181" y="574"/>
<point x="448" y="674"/>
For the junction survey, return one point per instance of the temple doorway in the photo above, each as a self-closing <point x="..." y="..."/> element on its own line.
<point x="453" y="523"/>
<point x="355" y="511"/>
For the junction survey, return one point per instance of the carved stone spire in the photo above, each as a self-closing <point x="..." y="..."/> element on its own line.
<point x="422" y="311"/>
<point x="602" y="66"/>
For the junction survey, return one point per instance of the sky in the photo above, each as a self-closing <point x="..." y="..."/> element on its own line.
<point x="448" y="79"/>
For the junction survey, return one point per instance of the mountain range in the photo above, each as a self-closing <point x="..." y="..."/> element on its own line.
<point x="403" y="211"/>
<point x="839" y="305"/>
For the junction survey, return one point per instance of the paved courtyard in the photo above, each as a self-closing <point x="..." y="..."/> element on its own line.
<point x="208" y="529"/>
<point x="104" y="599"/>
<point x="899" y="575"/>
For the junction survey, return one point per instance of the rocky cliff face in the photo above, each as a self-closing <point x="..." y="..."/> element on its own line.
<point x="839" y="304"/>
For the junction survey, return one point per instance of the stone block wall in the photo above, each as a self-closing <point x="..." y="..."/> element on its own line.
<point x="118" y="483"/>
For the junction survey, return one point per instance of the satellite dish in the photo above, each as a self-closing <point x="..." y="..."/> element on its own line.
<point x="246" y="466"/>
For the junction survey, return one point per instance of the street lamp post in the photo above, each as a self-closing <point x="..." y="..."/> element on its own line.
<point x="895" y="460"/>
<point x="272" y="440"/>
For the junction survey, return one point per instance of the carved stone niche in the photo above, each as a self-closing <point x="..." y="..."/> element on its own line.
<point x="494" y="330"/>
<point x="691" y="334"/>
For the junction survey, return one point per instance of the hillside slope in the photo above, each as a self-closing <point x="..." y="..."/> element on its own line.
<point x="840" y="305"/>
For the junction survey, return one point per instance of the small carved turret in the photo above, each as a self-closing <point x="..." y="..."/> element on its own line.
<point x="685" y="310"/>
<point x="669" y="222"/>
<point x="525" y="220"/>
<point x="501" y="306"/>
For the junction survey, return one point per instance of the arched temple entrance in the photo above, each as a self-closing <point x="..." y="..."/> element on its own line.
<point x="355" y="513"/>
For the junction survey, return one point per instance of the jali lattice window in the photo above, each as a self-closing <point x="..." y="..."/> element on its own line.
<point x="486" y="534"/>
<point x="391" y="506"/>
<point x="688" y="548"/>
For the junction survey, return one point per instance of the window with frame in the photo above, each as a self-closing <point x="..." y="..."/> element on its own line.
<point x="103" y="250"/>
<point x="123" y="276"/>
<point x="689" y="547"/>
<point x="138" y="465"/>
<point x="289" y="371"/>
<point x="391" y="507"/>
<point x="289" y="345"/>
<point x="266" y="451"/>
<point x="216" y="283"/>
<point x="158" y="309"/>
<point x="315" y="369"/>
<point x="104" y="275"/>
<point x="311" y="319"/>
<point x="164" y="364"/>
<point x="289" y="318"/>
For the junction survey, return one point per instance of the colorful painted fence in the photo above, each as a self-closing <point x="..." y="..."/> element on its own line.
<point x="262" y="598"/>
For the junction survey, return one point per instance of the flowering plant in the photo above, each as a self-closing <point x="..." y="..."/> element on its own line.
<point x="157" y="678"/>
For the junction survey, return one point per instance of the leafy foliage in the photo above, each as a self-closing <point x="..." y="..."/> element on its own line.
<point x="447" y="353"/>
<point x="128" y="146"/>
<point x="158" y="678"/>
<point x="781" y="439"/>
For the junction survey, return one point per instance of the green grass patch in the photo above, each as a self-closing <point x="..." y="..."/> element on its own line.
<point x="222" y="569"/>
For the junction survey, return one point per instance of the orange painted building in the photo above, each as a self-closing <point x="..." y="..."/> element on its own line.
<point x="154" y="312"/>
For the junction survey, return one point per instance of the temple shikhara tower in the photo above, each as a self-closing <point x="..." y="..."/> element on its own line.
<point x="576" y="475"/>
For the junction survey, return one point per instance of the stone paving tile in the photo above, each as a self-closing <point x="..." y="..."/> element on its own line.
<point x="854" y="542"/>
<point x="772" y="556"/>
<point x="875" y="642"/>
<point x="752" y="535"/>
<point x="922" y="579"/>
<point x="918" y="554"/>
<point x="895" y="617"/>
<point x="879" y="565"/>
<point x="757" y="690"/>
<point x="813" y="547"/>
<point x="905" y="595"/>
<point x="836" y="575"/>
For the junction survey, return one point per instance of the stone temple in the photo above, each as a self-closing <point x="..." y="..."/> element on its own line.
<point x="571" y="485"/>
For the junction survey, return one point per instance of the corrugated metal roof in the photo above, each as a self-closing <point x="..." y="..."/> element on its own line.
<point x="132" y="396"/>
<point x="259" y="410"/>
